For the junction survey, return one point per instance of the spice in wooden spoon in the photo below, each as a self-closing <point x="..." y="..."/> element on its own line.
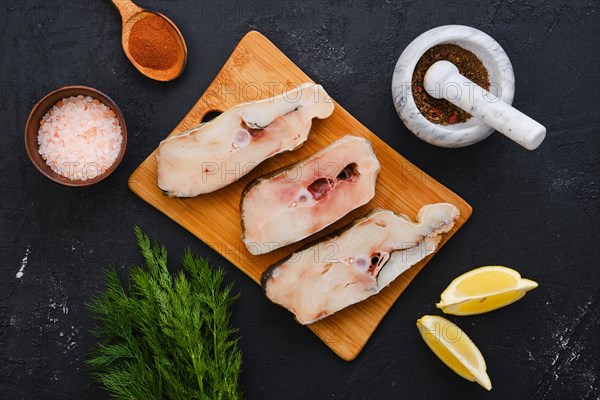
<point x="152" y="42"/>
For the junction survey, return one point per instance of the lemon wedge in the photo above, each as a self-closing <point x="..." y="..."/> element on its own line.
<point x="484" y="289"/>
<point x="454" y="348"/>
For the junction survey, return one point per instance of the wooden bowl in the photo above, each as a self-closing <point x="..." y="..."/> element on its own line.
<point x="33" y="125"/>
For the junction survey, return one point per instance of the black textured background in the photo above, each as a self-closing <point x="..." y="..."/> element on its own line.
<point x="534" y="211"/>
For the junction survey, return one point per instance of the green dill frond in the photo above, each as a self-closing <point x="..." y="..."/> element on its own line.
<point x="166" y="336"/>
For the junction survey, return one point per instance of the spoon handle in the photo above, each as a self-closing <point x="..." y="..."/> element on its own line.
<point x="443" y="80"/>
<point x="127" y="8"/>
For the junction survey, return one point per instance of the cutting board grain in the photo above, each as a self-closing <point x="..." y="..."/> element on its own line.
<point x="258" y="69"/>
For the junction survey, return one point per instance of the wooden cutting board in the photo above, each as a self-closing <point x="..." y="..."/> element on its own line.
<point x="256" y="70"/>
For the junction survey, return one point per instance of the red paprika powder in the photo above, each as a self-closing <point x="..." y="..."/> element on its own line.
<point x="153" y="43"/>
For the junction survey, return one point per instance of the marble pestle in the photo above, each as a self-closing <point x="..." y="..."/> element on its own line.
<point x="443" y="80"/>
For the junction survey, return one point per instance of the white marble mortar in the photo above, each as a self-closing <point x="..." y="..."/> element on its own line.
<point x="493" y="57"/>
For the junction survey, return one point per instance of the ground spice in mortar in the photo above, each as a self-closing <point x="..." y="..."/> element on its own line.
<point x="441" y="111"/>
<point x="153" y="43"/>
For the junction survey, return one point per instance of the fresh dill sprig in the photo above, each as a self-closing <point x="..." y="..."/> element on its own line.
<point x="166" y="336"/>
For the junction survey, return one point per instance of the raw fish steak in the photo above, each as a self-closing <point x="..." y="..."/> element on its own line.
<point x="359" y="262"/>
<point x="217" y="153"/>
<point x="293" y="203"/>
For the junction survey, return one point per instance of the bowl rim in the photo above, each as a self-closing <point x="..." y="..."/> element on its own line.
<point x="32" y="149"/>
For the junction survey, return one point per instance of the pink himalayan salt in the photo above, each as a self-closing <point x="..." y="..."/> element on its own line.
<point x="80" y="138"/>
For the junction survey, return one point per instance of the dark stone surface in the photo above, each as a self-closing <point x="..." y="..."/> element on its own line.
<point x="534" y="211"/>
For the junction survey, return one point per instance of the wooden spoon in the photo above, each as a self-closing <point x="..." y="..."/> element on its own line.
<point x="130" y="14"/>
